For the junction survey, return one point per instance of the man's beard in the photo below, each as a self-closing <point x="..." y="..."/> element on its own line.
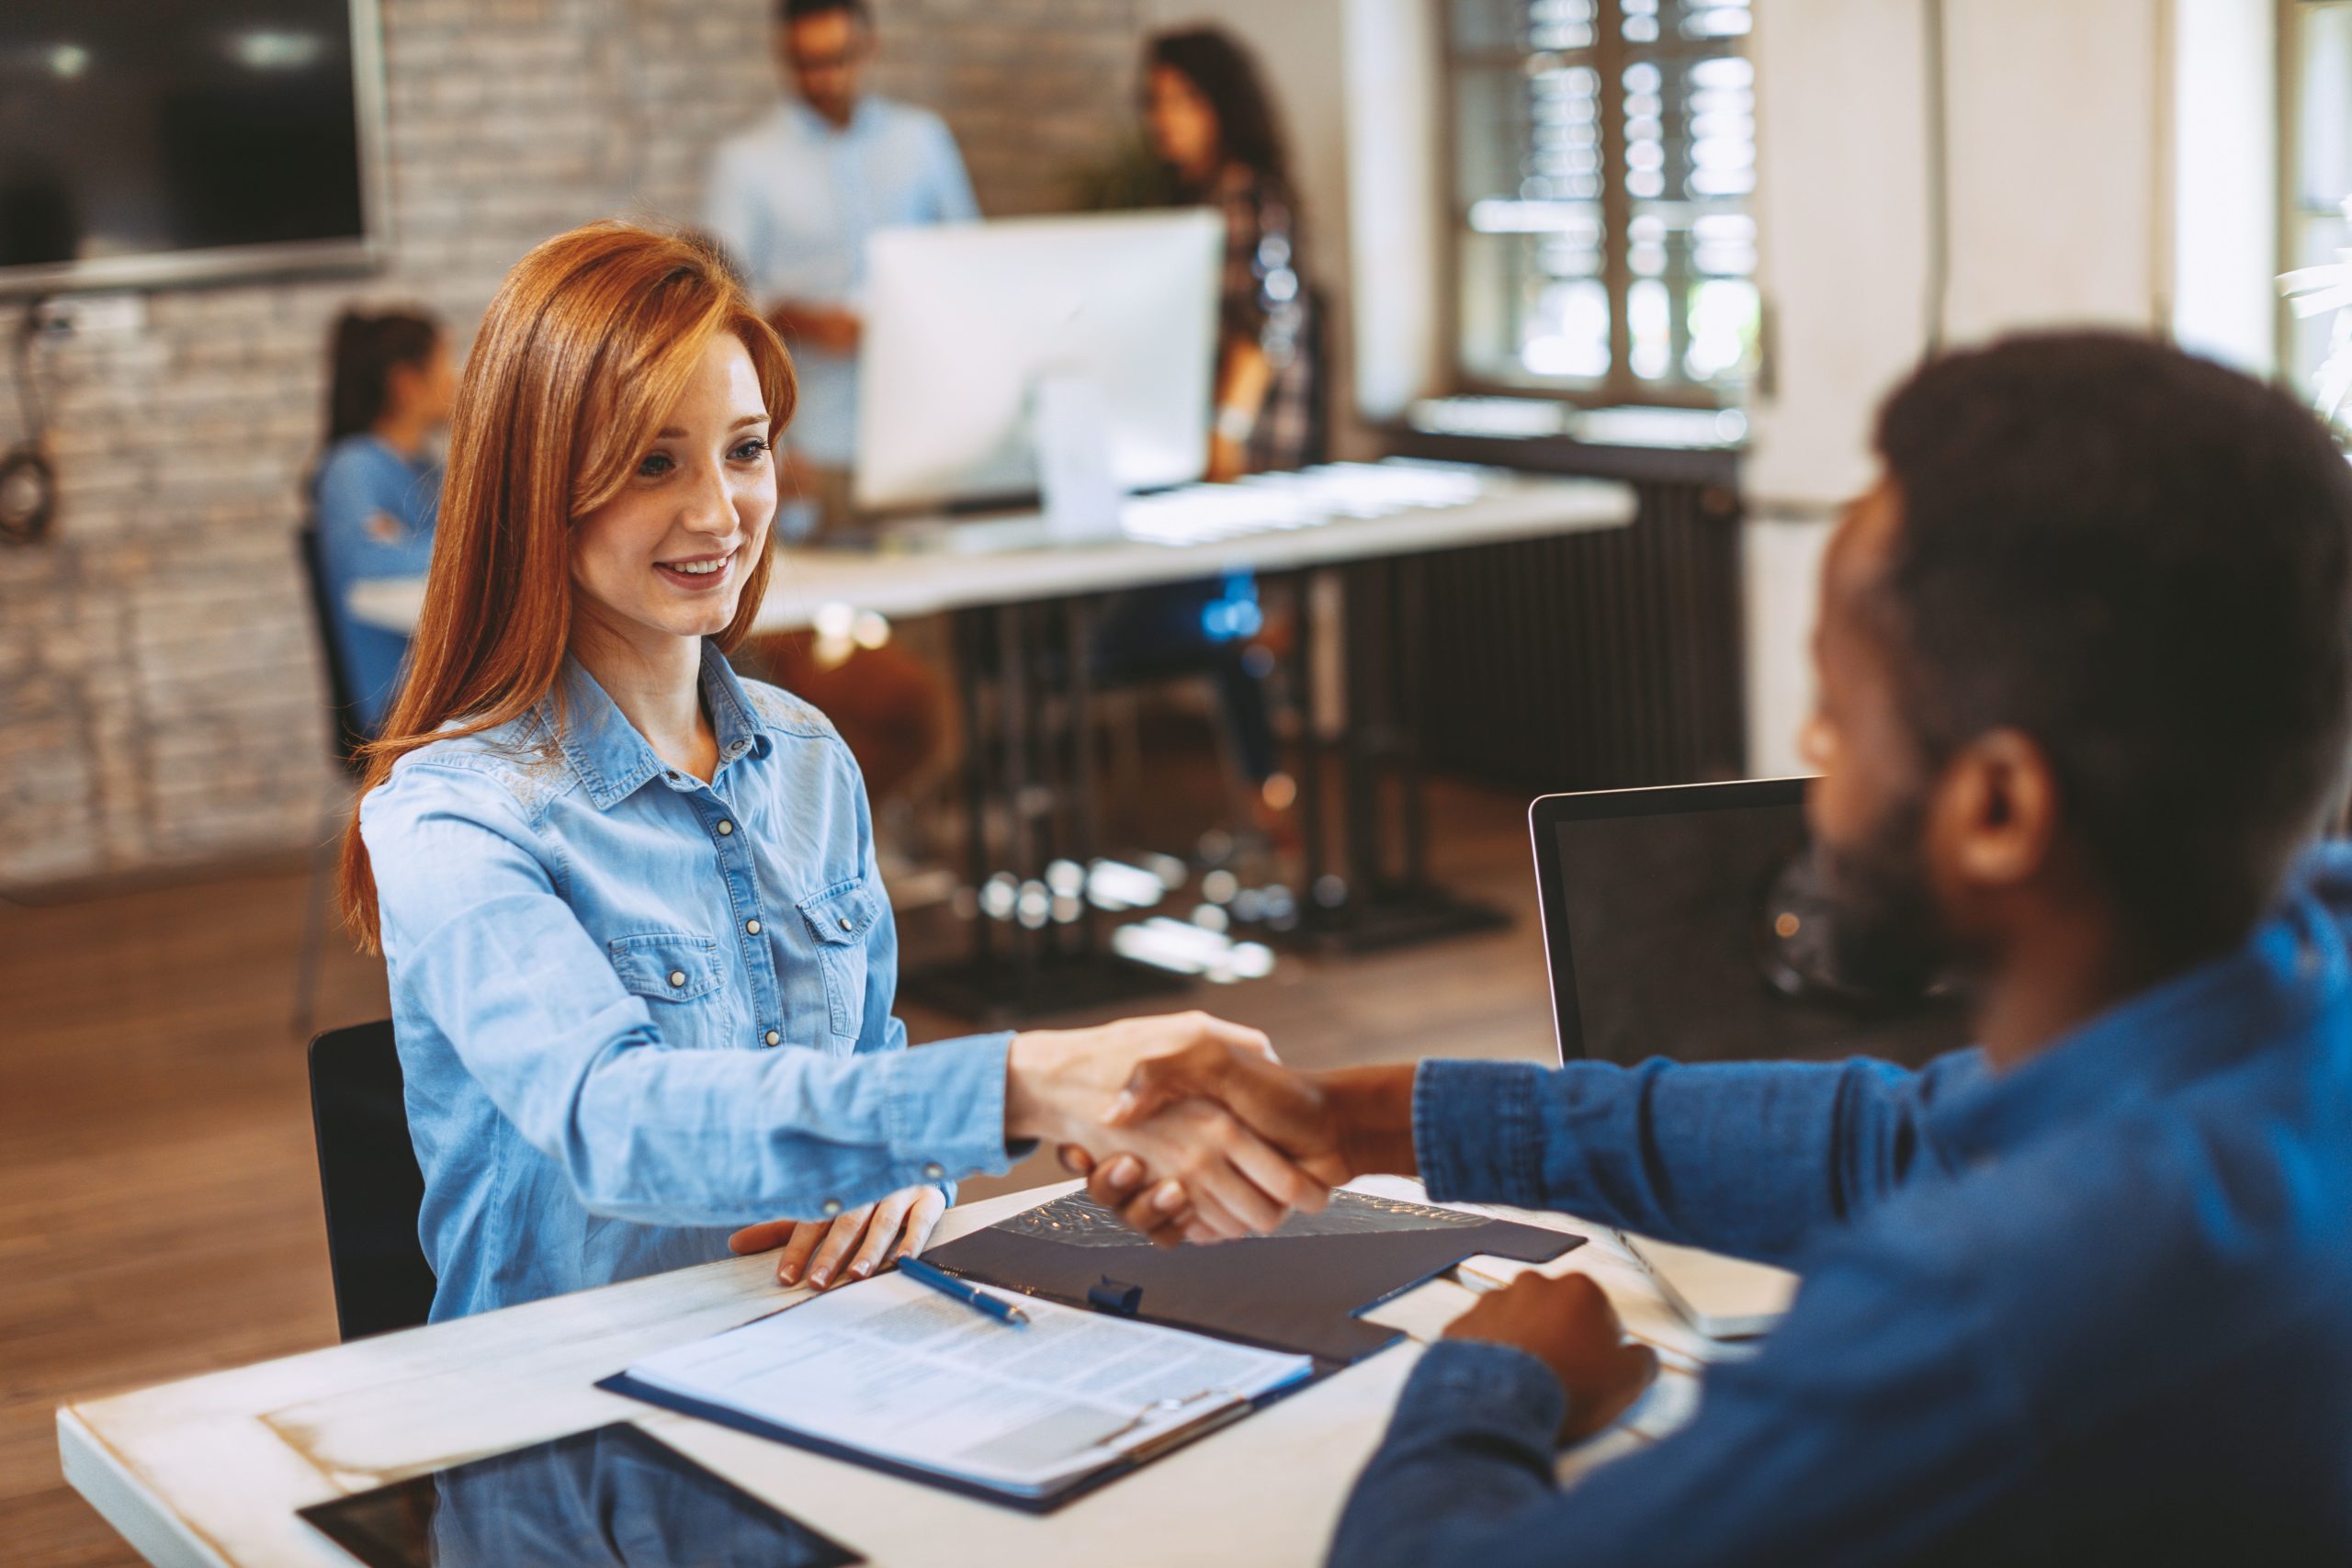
<point x="1875" y="932"/>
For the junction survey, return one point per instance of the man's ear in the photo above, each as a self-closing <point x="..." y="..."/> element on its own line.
<point x="1995" y="821"/>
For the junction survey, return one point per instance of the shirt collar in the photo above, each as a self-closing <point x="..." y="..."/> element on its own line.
<point x="733" y="716"/>
<point x="2290" y="971"/>
<point x="416" y="464"/>
<point x="808" y="122"/>
<point x="613" y="760"/>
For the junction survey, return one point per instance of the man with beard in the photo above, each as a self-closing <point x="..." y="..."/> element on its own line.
<point x="2082" y="1293"/>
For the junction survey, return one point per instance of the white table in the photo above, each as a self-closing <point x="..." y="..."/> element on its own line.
<point x="1011" y="560"/>
<point x="209" y="1471"/>
<point x="992" y="573"/>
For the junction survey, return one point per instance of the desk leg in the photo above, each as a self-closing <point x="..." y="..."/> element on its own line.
<point x="971" y="640"/>
<point x="1310" y="733"/>
<point x="1016" y="975"/>
<point x="1086" y="823"/>
<point x="1383" y="617"/>
<point x="1020" y="851"/>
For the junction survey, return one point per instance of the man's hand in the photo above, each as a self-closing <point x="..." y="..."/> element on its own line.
<point x="850" y="1246"/>
<point x="1568" y="1325"/>
<point x="1334" y="1126"/>
<point x="1061" y="1087"/>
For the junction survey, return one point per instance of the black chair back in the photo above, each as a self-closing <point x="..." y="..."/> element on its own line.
<point x="343" y="703"/>
<point x="1316" y="345"/>
<point x="368" y="1175"/>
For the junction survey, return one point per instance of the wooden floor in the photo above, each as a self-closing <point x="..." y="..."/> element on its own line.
<point x="159" y="1209"/>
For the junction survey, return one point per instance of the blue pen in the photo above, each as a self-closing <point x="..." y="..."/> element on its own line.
<point x="946" y="1284"/>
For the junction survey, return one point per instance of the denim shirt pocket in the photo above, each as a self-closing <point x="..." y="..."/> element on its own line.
<point x="667" y="966"/>
<point x="840" y="920"/>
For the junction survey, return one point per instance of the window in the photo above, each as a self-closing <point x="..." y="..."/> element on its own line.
<point x="1604" y="154"/>
<point x="2317" y="212"/>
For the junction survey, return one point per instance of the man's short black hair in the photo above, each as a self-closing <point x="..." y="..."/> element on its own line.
<point x="2143" y="561"/>
<point x="790" y="11"/>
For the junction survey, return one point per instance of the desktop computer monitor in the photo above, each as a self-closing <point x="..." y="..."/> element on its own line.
<point x="1107" y="323"/>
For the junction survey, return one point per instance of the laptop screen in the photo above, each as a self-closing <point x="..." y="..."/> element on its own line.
<point x="1688" y="921"/>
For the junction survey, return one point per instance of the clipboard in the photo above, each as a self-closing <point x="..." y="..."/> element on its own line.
<point x="1212" y="1418"/>
<point x="1302" y="1289"/>
<point x="1363" y="1247"/>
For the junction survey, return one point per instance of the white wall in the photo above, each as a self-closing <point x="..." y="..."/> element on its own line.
<point x="1396" y="177"/>
<point x="2224" y="152"/>
<point x="2057" y="163"/>
<point x="2110" y="162"/>
<point x="1842" y="219"/>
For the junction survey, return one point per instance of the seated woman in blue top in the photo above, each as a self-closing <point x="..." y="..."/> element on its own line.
<point x="641" y="967"/>
<point x="377" y="489"/>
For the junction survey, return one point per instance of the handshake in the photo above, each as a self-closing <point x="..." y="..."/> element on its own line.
<point x="1189" y="1129"/>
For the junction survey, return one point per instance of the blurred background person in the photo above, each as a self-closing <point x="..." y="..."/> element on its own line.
<point x="377" y="490"/>
<point x="792" y="200"/>
<point x="1211" y="126"/>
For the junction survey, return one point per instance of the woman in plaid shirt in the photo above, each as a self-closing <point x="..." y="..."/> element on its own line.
<point x="1209" y="121"/>
<point x="1211" y="130"/>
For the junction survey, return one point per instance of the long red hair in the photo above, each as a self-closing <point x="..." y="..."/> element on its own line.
<point x="587" y="344"/>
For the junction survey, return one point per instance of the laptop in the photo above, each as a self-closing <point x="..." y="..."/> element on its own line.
<point x="1682" y="922"/>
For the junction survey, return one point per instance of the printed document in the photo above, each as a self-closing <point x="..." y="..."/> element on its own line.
<point x="894" y="1369"/>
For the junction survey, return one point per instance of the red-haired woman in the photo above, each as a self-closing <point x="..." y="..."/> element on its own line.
<point x="641" y="966"/>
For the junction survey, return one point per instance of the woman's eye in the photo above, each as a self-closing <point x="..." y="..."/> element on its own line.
<point x="654" y="466"/>
<point x="753" y="447"/>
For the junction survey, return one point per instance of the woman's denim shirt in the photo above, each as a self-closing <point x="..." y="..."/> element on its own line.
<point x="635" y="1011"/>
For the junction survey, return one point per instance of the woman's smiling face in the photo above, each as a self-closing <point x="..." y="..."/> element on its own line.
<point x="668" y="556"/>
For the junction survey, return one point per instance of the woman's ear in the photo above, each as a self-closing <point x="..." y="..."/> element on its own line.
<point x="1996" y="819"/>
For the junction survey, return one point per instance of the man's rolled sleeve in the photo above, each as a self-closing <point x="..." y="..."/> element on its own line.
<point x="1751" y="1158"/>
<point x="1477" y="1132"/>
<point x="1474" y="1438"/>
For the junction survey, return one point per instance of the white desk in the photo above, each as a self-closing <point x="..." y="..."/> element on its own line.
<point x="209" y="1471"/>
<point x="1303" y="523"/>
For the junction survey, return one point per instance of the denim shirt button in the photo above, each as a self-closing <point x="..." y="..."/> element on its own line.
<point x="677" y="977"/>
<point x="752" y="927"/>
<point x="773" y="1038"/>
<point x="933" y="1171"/>
<point x="832" y="1207"/>
<point x="725" y="828"/>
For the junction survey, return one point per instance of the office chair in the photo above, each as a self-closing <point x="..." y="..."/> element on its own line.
<point x="370" y="1179"/>
<point x="345" y="739"/>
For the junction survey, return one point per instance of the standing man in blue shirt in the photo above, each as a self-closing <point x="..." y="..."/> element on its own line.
<point x="2084" y="1293"/>
<point x="794" y="199"/>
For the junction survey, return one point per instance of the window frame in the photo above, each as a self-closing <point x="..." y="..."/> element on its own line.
<point x="1619" y="387"/>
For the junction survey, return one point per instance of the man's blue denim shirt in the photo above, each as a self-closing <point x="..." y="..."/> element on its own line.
<point x="636" y="1010"/>
<point x="2096" y="1309"/>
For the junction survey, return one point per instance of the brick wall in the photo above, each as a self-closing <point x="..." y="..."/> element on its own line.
<point x="159" y="690"/>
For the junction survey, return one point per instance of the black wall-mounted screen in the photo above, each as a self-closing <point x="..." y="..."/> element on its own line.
<point x="154" y="141"/>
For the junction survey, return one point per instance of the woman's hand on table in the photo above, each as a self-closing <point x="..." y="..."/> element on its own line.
<point x="853" y="1244"/>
